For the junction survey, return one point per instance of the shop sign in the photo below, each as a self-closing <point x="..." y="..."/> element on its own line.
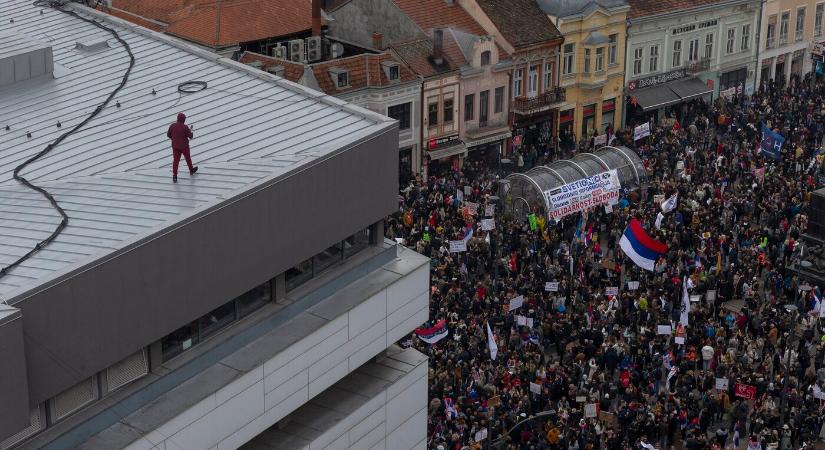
<point x="433" y="144"/>
<point x="655" y="80"/>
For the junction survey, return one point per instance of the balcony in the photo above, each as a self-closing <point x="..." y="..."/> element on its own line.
<point x="542" y="102"/>
<point x="701" y="65"/>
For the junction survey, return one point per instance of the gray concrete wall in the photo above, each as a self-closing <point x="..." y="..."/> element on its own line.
<point x="14" y="394"/>
<point x="101" y="313"/>
<point x="356" y="20"/>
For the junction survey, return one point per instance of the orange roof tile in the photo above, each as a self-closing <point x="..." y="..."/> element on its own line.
<point x="418" y="55"/>
<point x="430" y="14"/>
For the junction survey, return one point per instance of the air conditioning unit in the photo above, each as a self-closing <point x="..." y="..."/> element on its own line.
<point x="296" y="50"/>
<point x="313" y="46"/>
<point x="279" y="51"/>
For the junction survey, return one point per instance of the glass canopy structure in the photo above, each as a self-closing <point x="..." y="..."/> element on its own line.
<point x="524" y="192"/>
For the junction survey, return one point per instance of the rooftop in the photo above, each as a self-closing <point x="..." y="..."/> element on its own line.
<point x="648" y="8"/>
<point x="113" y="176"/>
<point x="418" y="54"/>
<point x="521" y="22"/>
<point x="579" y="8"/>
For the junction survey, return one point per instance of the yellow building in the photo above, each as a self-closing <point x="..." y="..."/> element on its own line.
<point x="790" y="30"/>
<point x="592" y="63"/>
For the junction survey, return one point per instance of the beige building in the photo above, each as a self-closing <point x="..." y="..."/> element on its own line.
<point x="592" y="63"/>
<point x="789" y="29"/>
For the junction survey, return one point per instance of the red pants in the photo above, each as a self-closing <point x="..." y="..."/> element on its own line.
<point x="176" y="159"/>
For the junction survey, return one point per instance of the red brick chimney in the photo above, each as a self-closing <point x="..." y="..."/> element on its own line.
<point x="438" y="46"/>
<point x="378" y="40"/>
<point x="316" y="17"/>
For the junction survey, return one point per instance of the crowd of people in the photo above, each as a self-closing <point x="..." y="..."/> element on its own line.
<point x="603" y="359"/>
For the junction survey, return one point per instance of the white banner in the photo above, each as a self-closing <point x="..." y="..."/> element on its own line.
<point x="458" y="246"/>
<point x="488" y="224"/>
<point x="641" y="131"/>
<point x="551" y="286"/>
<point x="584" y="188"/>
<point x="515" y="303"/>
<point x="583" y="204"/>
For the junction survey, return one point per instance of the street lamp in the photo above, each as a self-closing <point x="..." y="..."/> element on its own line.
<point x="791" y="308"/>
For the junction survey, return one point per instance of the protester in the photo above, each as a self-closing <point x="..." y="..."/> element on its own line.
<point x="582" y="366"/>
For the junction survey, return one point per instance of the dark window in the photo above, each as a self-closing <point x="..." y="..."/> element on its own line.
<point x="343" y="79"/>
<point x="254" y="299"/>
<point x="499" y="102"/>
<point x="432" y="114"/>
<point x="356" y="242"/>
<point x="401" y="113"/>
<point x="485" y="58"/>
<point x="469" y="106"/>
<point x="448" y="110"/>
<point x="216" y="319"/>
<point x="395" y="72"/>
<point x="178" y="341"/>
<point x="483" y="107"/>
<point x="327" y="258"/>
<point x="299" y="274"/>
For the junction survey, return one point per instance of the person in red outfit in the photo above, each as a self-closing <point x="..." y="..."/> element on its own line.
<point x="180" y="134"/>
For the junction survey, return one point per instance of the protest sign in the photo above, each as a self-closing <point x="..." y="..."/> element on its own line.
<point x="480" y="435"/>
<point x="679" y="340"/>
<point x="472" y="208"/>
<point x="632" y="285"/>
<point x="745" y="391"/>
<point x="641" y="131"/>
<point x="489" y="210"/>
<point x="535" y="388"/>
<point x="488" y="224"/>
<point x="515" y="303"/>
<point x="663" y="329"/>
<point x="695" y="298"/>
<point x="591" y="410"/>
<point x="611" y="290"/>
<point x="722" y="384"/>
<point x="458" y="246"/>
<point x="521" y="320"/>
<point x="551" y="286"/>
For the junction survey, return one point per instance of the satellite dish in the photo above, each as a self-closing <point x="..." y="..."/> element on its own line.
<point x="337" y="50"/>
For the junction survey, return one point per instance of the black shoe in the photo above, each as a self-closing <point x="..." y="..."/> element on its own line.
<point x="194" y="169"/>
<point x="174" y="178"/>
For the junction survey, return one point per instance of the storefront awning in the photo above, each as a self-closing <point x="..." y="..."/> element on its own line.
<point x="475" y="141"/>
<point x="458" y="148"/>
<point x="690" y="88"/>
<point x="655" y="97"/>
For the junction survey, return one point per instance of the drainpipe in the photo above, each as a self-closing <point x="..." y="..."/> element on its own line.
<point x="757" y="66"/>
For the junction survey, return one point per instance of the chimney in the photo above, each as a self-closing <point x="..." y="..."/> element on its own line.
<point x="438" y="45"/>
<point x="316" y="17"/>
<point x="378" y="40"/>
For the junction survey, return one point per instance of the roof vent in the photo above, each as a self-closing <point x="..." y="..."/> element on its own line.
<point x="92" y="45"/>
<point x="23" y="58"/>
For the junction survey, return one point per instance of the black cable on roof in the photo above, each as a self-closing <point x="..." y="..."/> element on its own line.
<point x="58" y="5"/>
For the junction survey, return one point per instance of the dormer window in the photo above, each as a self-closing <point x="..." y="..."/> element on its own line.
<point x="340" y="77"/>
<point x="485" y="58"/>
<point x="392" y="70"/>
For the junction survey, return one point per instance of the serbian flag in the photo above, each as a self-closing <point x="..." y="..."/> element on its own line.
<point x="817" y="310"/>
<point x="433" y="334"/>
<point x="639" y="247"/>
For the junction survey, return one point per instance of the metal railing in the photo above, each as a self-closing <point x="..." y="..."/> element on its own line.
<point x="697" y="66"/>
<point x="544" y="100"/>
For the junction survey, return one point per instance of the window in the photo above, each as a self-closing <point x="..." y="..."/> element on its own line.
<point x="693" y="50"/>
<point x="677" y="54"/>
<point x="771" y="33"/>
<point x="599" y="59"/>
<point x="587" y="60"/>
<point x="485" y="58"/>
<point x="216" y="319"/>
<point x="548" y="76"/>
<point x="254" y="299"/>
<point x="518" y="77"/>
<point x="342" y="79"/>
<point x="469" y="106"/>
<point x="709" y="45"/>
<point x="533" y="81"/>
<point x="800" y="23"/>
<point x="731" y="40"/>
<point x="818" y="19"/>
<point x="612" y="49"/>
<point x="395" y="72"/>
<point x="327" y="258"/>
<point x="569" y="60"/>
<point x="637" y="61"/>
<point x="298" y="274"/>
<point x="432" y="114"/>
<point x="746" y="37"/>
<point x="783" y="28"/>
<point x="448" y="110"/>
<point x="402" y="114"/>
<point x="654" y="58"/>
<point x="499" y="100"/>
<point x="357" y="241"/>
<point x="180" y="340"/>
<point x="483" y="108"/>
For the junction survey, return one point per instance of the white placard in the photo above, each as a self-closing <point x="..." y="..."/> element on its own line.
<point x="581" y="399"/>
<point x="641" y="131"/>
<point x="490" y="210"/>
<point x="535" y="388"/>
<point x="590" y="410"/>
<point x="695" y="298"/>
<point x="710" y="295"/>
<point x="600" y="139"/>
<point x="488" y="224"/>
<point x="663" y="329"/>
<point x="551" y="286"/>
<point x="611" y="290"/>
<point x="632" y="285"/>
<point x="458" y="246"/>
<point x="679" y="340"/>
<point x="472" y="208"/>
<point x="480" y="435"/>
<point x="608" y="208"/>
<point x="515" y="303"/>
<point x="722" y="384"/>
<point x="521" y="320"/>
<point x="530" y="322"/>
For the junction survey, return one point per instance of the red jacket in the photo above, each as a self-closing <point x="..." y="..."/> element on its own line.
<point x="179" y="133"/>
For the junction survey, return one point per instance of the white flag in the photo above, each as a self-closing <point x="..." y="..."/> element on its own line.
<point x="670" y="204"/>
<point x="491" y="343"/>
<point x="659" y="217"/>
<point x="683" y="319"/>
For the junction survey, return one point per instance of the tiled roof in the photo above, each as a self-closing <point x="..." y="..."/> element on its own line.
<point x="430" y="14"/>
<point x="646" y="8"/>
<point x="418" y="55"/>
<point x="226" y="22"/>
<point x="364" y="71"/>
<point x="521" y="22"/>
